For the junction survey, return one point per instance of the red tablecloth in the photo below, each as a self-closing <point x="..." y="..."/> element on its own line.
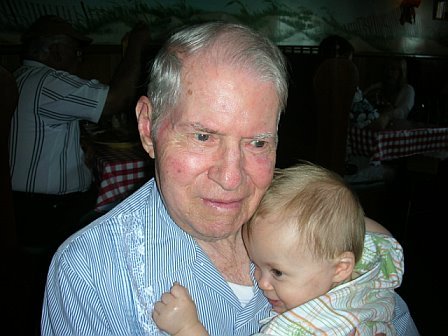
<point x="119" y="172"/>
<point x="393" y="144"/>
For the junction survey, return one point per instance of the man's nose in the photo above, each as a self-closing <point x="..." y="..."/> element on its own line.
<point x="227" y="170"/>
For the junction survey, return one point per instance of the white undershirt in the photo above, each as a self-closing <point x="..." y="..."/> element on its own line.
<point x="243" y="293"/>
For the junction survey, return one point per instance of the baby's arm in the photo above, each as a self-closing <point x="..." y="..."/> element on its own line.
<point x="176" y="313"/>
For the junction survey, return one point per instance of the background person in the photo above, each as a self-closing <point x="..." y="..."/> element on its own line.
<point x="317" y="266"/>
<point x="51" y="183"/>
<point x="340" y="105"/>
<point x="50" y="179"/>
<point x="216" y="91"/>
<point x="393" y="95"/>
<point x="362" y="113"/>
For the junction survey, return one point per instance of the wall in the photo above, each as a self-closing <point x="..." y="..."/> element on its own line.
<point x="372" y="26"/>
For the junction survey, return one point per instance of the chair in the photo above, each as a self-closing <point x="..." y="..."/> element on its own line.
<point x="334" y="85"/>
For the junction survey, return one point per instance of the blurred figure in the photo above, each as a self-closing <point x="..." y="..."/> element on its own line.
<point x="355" y="110"/>
<point x="335" y="84"/>
<point x="393" y="95"/>
<point x="50" y="178"/>
<point x="362" y="113"/>
<point x="52" y="185"/>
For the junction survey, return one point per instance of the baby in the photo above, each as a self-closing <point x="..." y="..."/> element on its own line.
<point x="314" y="261"/>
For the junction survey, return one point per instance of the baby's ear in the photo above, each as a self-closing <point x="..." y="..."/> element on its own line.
<point x="344" y="267"/>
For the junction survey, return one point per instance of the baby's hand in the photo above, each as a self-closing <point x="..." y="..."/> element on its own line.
<point x="176" y="313"/>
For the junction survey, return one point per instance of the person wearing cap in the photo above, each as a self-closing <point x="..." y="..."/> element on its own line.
<point x="52" y="185"/>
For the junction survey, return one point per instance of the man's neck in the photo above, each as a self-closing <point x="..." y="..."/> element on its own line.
<point x="230" y="258"/>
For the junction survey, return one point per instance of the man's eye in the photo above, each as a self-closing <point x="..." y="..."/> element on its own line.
<point x="202" y="136"/>
<point x="259" y="143"/>
<point x="276" y="272"/>
<point x="260" y="146"/>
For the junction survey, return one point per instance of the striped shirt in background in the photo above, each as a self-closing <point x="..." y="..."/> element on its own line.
<point x="45" y="151"/>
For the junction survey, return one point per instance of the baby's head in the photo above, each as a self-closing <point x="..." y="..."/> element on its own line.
<point x="306" y="235"/>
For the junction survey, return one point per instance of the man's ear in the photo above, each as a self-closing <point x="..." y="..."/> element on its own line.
<point x="143" y="111"/>
<point x="345" y="264"/>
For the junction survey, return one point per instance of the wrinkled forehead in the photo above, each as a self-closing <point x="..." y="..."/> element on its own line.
<point x="208" y="64"/>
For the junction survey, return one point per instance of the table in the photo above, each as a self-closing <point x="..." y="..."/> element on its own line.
<point x="119" y="172"/>
<point x="392" y="144"/>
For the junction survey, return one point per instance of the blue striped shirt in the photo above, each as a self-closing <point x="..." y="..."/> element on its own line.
<point x="105" y="279"/>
